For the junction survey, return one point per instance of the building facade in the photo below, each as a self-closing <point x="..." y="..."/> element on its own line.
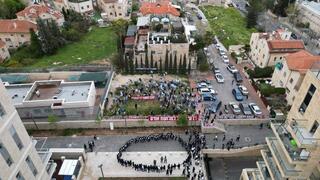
<point x="290" y="73"/>
<point x="269" y="48"/>
<point x="80" y="6"/>
<point x="4" y="52"/>
<point x="33" y="12"/>
<point x="115" y="9"/>
<point x="18" y="156"/>
<point x="309" y="12"/>
<point x="294" y="152"/>
<point x="15" y="33"/>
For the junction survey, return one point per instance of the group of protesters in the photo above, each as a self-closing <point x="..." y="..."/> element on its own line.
<point x="193" y="147"/>
<point x="174" y="95"/>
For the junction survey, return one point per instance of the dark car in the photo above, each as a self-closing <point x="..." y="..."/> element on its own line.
<point x="293" y="36"/>
<point x="214" y="106"/>
<point x="237" y="94"/>
<point x="208" y="97"/>
<point x="237" y="77"/>
<point x="245" y="109"/>
<point x="199" y="16"/>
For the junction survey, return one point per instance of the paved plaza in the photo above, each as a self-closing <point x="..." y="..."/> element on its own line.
<point x="111" y="168"/>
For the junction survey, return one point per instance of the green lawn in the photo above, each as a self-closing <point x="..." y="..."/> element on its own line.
<point x="98" y="44"/>
<point x="228" y="25"/>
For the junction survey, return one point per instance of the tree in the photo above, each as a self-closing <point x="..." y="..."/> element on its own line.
<point x="126" y="64"/>
<point x="35" y="45"/>
<point x="184" y="64"/>
<point x="170" y="67"/>
<point x="151" y="61"/>
<point x="9" y="8"/>
<point x="156" y="66"/>
<point x="166" y="62"/>
<point x="52" y="119"/>
<point x="49" y="41"/>
<point x="182" y="120"/>
<point x="189" y="66"/>
<point x="141" y="62"/>
<point x="180" y="65"/>
<point x="281" y="6"/>
<point x="252" y="17"/>
<point x="175" y="69"/>
<point x="120" y="27"/>
<point x="146" y="64"/>
<point x="131" y="66"/>
<point x="160" y="65"/>
<point x="136" y="64"/>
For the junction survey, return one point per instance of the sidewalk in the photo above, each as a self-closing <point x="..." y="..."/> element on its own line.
<point x="111" y="168"/>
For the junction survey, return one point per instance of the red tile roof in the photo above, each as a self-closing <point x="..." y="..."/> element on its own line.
<point x="129" y="41"/>
<point x="35" y="11"/>
<point x="301" y="61"/>
<point x="159" y="8"/>
<point x="2" y="44"/>
<point x="16" y="26"/>
<point x="285" y="45"/>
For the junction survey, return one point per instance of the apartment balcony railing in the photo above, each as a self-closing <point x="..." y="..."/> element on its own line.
<point x="263" y="170"/>
<point x="303" y="135"/>
<point x="289" y="170"/>
<point x="294" y="152"/>
<point x="271" y="164"/>
<point x="50" y="168"/>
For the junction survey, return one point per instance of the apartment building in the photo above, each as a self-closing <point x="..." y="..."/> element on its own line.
<point x="290" y="73"/>
<point x="309" y="12"/>
<point x="80" y="6"/>
<point x="159" y="8"/>
<point x="35" y="11"/>
<point x="115" y="9"/>
<point x="43" y="98"/>
<point x="267" y="49"/>
<point x="4" y="52"/>
<point x="15" y="33"/>
<point x="294" y="152"/>
<point x="18" y="156"/>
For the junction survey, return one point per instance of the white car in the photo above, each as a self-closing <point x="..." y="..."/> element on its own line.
<point x="232" y="68"/>
<point x="219" y="78"/>
<point x="226" y="60"/>
<point x="203" y="85"/>
<point x="243" y="89"/>
<point x="255" y="109"/>
<point x="235" y="108"/>
<point x="222" y="53"/>
<point x="207" y="90"/>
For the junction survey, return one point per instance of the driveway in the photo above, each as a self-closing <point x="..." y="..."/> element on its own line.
<point x="225" y="89"/>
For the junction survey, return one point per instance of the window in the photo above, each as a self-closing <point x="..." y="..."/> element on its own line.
<point x="119" y="7"/>
<point x="19" y="176"/>
<point x="120" y="14"/>
<point x="5" y="154"/>
<point x="263" y="56"/>
<point x="2" y="111"/>
<point x="31" y="166"/>
<point x="88" y="6"/>
<point x="81" y="7"/>
<point x="307" y="98"/>
<point x="275" y="58"/>
<point x="290" y="81"/>
<point x="22" y="35"/>
<point x="7" y="39"/>
<point x="16" y="137"/>
<point x="314" y="127"/>
<point x="280" y="58"/>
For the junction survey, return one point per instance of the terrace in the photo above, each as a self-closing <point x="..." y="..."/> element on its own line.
<point x="18" y="92"/>
<point x="272" y="167"/>
<point x="287" y="141"/>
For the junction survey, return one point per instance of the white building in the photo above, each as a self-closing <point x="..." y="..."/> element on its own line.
<point x="309" y="12"/>
<point x="114" y="9"/>
<point x="18" y="156"/>
<point x="80" y="6"/>
<point x="53" y="97"/>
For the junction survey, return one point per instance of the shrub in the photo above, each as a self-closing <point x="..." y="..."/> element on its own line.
<point x="182" y="120"/>
<point x="268" y="90"/>
<point x="260" y="72"/>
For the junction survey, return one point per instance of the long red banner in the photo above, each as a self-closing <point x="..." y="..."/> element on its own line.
<point x="172" y="118"/>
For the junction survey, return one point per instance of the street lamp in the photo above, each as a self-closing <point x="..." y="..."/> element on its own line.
<point x="100" y="166"/>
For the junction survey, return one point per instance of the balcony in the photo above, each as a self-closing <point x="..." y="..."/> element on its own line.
<point x="301" y="134"/>
<point x="288" y="170"/>
<point x="287" y="142"/>
<point x="51" y="167"/>
<point x="271" y="165"/>
<point x="263" y="170"/>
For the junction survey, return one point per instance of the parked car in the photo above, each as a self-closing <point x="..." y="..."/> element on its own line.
<point x="222" y="53"/>
<point x="226" y="60"/>
<point x="237" y="94"/>
<point x="237" y="76"/>
<point x="208" y="97"/>
<point x="235" y="107"/>
<point x="207" y="91"/>
<point x="214" y="106"/>
<point x="219" y="78"/>
<point x="232" y="68"/>
<point x="218" y="46"/>
<point x="199" y="16"/>
<point x="243" y="90"/>
<point x="245" y="109"/>
<point x="255" y="109"/>
<point x="216" y="70"/>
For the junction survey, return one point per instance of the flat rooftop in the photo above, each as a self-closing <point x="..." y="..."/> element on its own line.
<point x="18" y="92"/>
<point x="70" y="92"/>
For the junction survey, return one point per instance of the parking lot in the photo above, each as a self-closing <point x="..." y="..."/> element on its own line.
<point x="224" y="90"/>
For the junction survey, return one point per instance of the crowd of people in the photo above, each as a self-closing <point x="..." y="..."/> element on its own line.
<point x="193" y="147"/>
<point x="174" y="95"/>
